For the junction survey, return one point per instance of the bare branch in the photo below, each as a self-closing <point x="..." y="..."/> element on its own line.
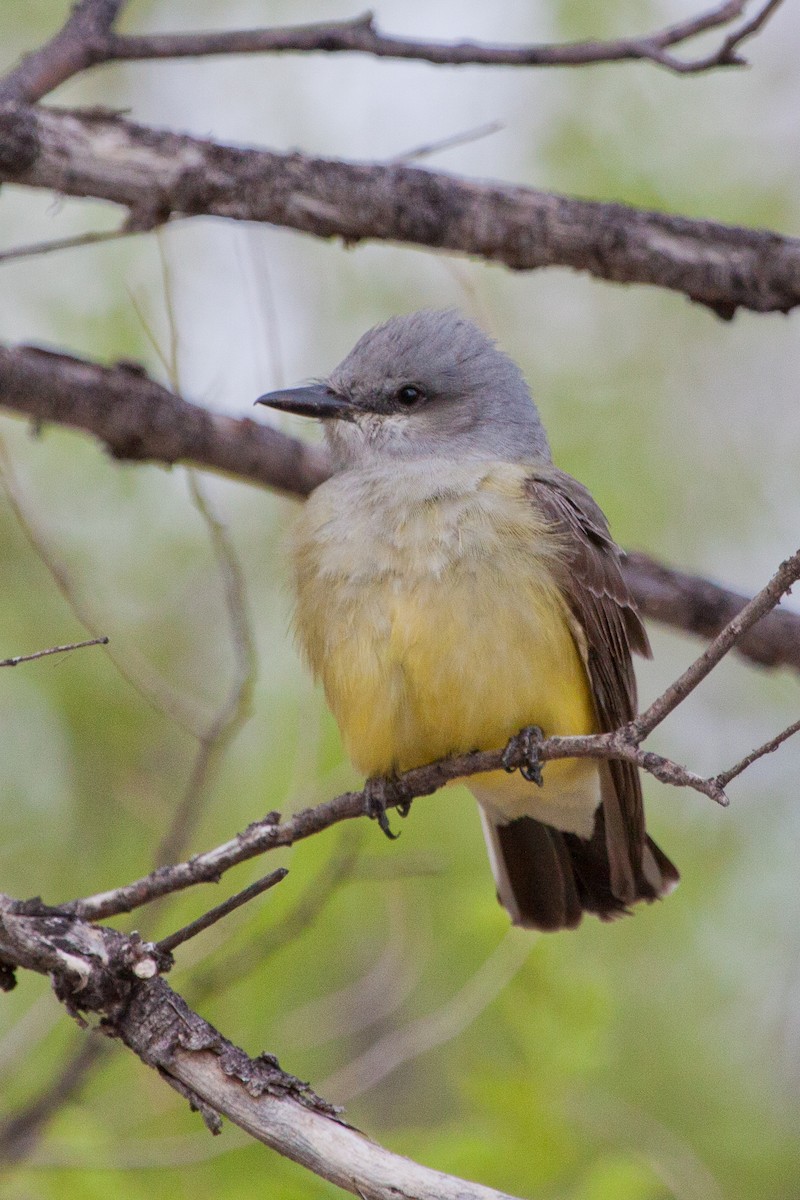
<point x="78" y="240"/>
<point x="621" y="744"/>
<point x="23" y="658"/>
<point x="698" y="606"/>
<point x="787" y="574"/>
<point x="167" y="944"/>
<point x="137" y="418"/>
<point x="237" y="964"/>
<point x="724" y="778"/>
<point x="20" y="1131"/>
<point x="270" y="833"/>
<point x="361" y="35"/>
<point x="94" y="969"/>
<point x="156" y="173"/>
<point x="71" y="51"/>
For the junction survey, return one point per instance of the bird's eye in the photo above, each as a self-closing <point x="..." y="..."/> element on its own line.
<point x="409" y="395"/>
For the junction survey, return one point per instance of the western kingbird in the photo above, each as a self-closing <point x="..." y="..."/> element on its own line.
<point x="455" y="587"/>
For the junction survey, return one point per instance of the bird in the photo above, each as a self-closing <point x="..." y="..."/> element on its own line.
<point x="455" y="589"/>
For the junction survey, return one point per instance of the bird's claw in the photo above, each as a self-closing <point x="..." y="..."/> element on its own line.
<point x="522" y="753"/>
<point x="378" y="791"/>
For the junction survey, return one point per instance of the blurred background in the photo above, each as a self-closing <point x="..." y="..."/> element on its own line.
<point x="658" y="1057"/>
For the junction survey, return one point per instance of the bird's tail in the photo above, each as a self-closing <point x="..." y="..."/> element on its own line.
<point x="546" y="878"/>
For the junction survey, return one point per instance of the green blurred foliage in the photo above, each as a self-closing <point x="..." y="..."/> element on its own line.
<point x="656" y="1057"/>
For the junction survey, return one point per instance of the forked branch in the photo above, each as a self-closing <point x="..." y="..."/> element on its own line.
<point x="97" y="970"/>
<point x="88" y="39"/>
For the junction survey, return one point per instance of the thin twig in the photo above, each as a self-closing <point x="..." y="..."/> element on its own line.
<point x="87" y="40"/>
<point x="787" y="574"/>
<point x="23" y="658"/>
<point x="621" y="744"/>
<point x="35" y="249"/>
<point x="20" y="1131"/>
<point x="136" y="672"/>
<point x="724" y="778"/>
<point x="361" y="35"/>
<point x="446" y="143"/>
<point x="270" y="833"/>
<point x="167" y="944"/>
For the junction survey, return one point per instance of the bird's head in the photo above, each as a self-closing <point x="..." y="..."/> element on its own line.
<point x="428" y="385"/>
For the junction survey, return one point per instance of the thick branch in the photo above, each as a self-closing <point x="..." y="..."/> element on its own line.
<point x="139" y="419"/>
<point x="99" y="970"/>
<point x="136" y="418"/>
<point x="156" y="173"/>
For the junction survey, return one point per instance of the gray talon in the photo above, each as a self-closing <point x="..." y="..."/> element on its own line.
<point x="376" y="794"/>
<point x="525" y="745"/>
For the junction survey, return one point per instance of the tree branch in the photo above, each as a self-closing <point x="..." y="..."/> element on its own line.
<point x="20" y="1131"/>
<point x="361" y="35"/>
<point x="725" y="777"/>
<point x="787" y="574"/>
<point x="156" y="173"/>
<point x="98" y="970"/>
<point x="24" y="658"/>
<point x="136" y="418"/>
<point x="703" y="608"/>
<point x="74" y="48"/>
<point x="87" y="40"/>
<point x="167" y="944"/>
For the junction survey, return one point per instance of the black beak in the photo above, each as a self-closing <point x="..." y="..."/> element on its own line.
<point x="315" y="400"/>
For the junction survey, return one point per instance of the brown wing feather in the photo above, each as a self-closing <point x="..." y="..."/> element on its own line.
<point x="594" y="588"/>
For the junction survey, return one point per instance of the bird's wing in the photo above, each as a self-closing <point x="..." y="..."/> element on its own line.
<point x="608" y="629"/>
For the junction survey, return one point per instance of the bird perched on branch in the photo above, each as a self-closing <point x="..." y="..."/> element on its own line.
<point x="454" y="587"/>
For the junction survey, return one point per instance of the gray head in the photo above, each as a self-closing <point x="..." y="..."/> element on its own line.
<point x="428" y="385"/>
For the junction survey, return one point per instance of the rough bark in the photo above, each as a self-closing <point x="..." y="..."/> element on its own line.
<point x="156" y="173"/>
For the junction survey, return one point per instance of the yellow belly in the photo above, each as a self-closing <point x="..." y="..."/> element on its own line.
<point x="445" y="634"/>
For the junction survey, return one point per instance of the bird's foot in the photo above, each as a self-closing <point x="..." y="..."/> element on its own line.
<point x="380" y="791"/>
<point x="522" y="752"/>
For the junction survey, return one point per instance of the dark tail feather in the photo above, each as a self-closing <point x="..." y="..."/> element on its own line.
<point x="547" y="879"/>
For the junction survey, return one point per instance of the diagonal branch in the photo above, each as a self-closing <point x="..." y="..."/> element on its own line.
<point x="25" y="658"/>
<point x="156" y="173"/>
<point x="725" y="777"/>
<point x="787" y="574"/>
<point x="74" y="48"/>
<point x="98" y="970"/>
<point x="136" y="418"/>
<point x="623" y="744"/>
